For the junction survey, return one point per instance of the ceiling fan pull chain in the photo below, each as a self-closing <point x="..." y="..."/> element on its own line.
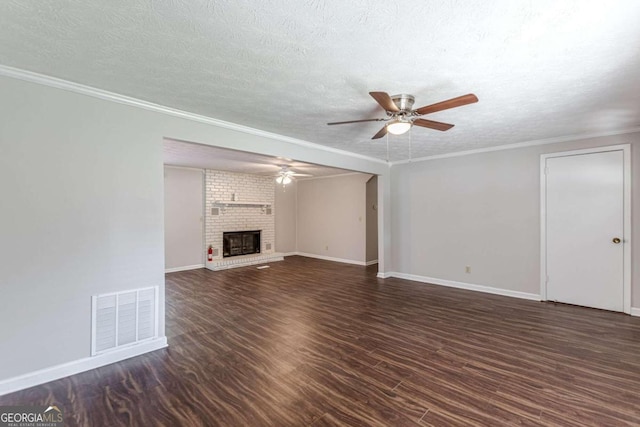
<point x="410" y="145"/>
<point x="387" y="147"/>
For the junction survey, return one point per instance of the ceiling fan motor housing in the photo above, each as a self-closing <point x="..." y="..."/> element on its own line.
<point x="404" y="102"/>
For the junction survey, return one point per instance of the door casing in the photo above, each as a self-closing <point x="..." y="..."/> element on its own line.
<point x="626" y="238"/>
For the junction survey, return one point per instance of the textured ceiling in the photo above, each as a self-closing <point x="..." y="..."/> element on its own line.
<point x="179" y="153"/>
<point x="541" y="69"/>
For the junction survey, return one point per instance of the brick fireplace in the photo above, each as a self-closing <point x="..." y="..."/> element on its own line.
<point x="239" y="203"/>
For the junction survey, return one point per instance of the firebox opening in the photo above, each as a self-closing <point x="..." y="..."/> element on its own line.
<point x="236" y="243"/>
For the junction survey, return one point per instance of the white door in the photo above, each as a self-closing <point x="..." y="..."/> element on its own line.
<point x="584" y="229"/>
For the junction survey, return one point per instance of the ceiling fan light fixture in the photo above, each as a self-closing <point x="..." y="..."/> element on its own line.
<point x="399" y="126"/>
<point x="283" y="179"/>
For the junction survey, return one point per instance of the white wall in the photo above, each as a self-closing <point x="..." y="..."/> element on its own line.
<point x="372" y="219"/>
<point x="483" y="210"/>
<point x="81" y="179"/>
<point x="183" y="217"/>
<point x="82" y="214"/>
<point x="286" y="221"/>
<point x="332" y="217"/>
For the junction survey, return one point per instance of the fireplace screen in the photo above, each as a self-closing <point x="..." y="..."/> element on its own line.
<point x="240" y="243"/>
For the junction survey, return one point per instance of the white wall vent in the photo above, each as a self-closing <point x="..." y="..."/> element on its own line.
<point x="123" y="318"/>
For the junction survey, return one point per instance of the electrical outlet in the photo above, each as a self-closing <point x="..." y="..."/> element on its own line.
<point x="467" y="269"/>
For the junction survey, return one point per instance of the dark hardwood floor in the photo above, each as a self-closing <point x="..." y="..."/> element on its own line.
<point x="309" y="342"/>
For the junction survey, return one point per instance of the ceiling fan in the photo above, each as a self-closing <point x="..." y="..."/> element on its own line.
<point x="401" y="116"/>
<point x="286" y="175"/>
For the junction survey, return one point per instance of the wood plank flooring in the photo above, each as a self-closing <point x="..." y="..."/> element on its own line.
<point x="314" y="343"/>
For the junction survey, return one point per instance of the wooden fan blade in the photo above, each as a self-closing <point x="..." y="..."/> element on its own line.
<point x="355" y="121"/>
<point x="382" y="132"/>
<point x="384" y="100"/>
<point x="445" y="105"/>
<point x="432" y="125"/>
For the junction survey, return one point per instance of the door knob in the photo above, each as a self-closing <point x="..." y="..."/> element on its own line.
<point x="616" y="240"/>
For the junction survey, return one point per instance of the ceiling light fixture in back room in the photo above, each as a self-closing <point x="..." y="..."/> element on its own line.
<point x="286" y="175"/>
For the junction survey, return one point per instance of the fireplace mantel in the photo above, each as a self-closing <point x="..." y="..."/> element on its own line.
<point x="223" y="205"/>
<point x="231" y="203"/>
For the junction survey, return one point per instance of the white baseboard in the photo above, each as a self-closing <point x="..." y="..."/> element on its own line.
<point x="81" y="365"/>
<point x="328" y="258"/>
<point x="383" y="275"/>
<point x="635" y="311"/>
<point x="188" y="267"/>
<point x="290" y="254"/>
<point x="467" y="286"/>
<point x="375" y="261"/>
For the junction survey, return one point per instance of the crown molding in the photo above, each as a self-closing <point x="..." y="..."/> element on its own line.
<point x="532" y="143"/>
<point x="57" y="83"/>
<point x="311" y="178"/>
<point x="170" y="166"/>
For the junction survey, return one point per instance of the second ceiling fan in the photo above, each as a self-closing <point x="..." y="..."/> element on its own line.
<point x="401" y="115"/>
<point x="286" y="175"/>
